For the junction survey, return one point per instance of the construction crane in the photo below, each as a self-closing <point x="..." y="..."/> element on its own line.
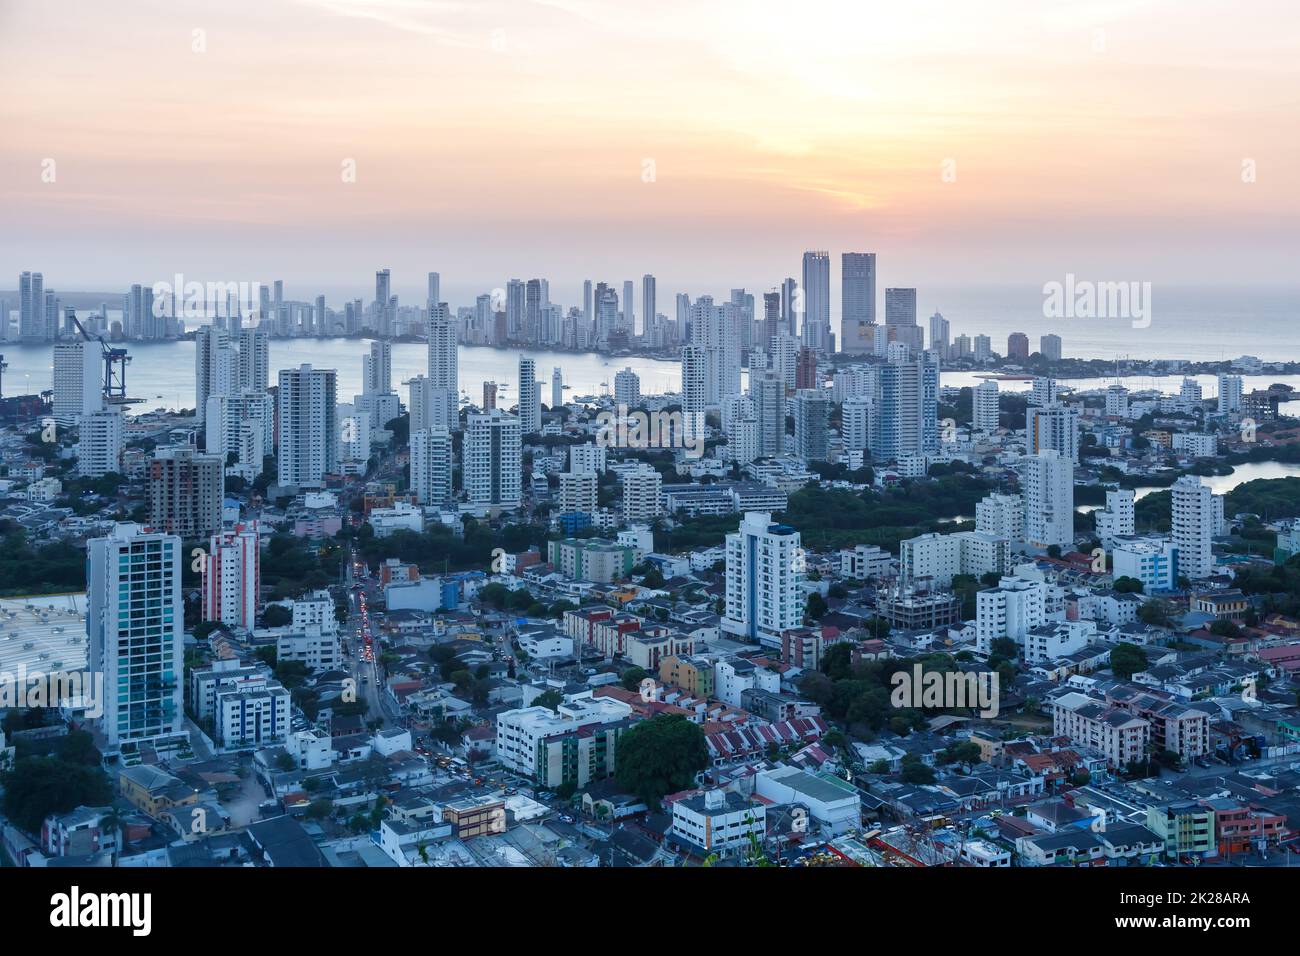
<point x="115" y="362"/>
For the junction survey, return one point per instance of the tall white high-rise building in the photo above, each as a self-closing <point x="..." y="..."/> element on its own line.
<point x="939" y="333"/>
<point x="642" y="488"/>
<point x="31" y="307"/>
<point x="627" y="388"/>
<point x="1195" y="523"/>
<point x="649" y="318"/>
<point x="1054" y="427"/>
<point x="743" y="440"/>
<point x="444" y="369"/>
<point x="764" y="566"/>
<point x="1012" y="609"/>
<point x="694" y="384"/>
<point x="629" y="313"/>
<point x="254" y="360"/>
<point x="377" y="368"/>
<point x="78" y="387"/>
<point x="1117" y="401"/>
<point x="309" y="432"/>
<point x="768" y="395"/>
<point x="857" y="302"/>
<point x="816" y="331"/>
<point x="578" y="492"/>
<point x="984" y="406"/>
<point x="1229" y="393"/>
<point x="530" y="411"/>
<point x="856" y="415"/>
<point x="1049" y="346"/>
<point x="1044" y="392"/>
<point x="431" y="466"/>
<point x="232" y="577"/>
<point x="716" y="332"/>
<point x="434" y="295"/>
<point x="1002" y="516"/>
<point x="135" y="630"/>
<point x="812" y="408"/>
<point x="216" y="366"/>
<point x="906" y="403"/>
<point x="355" y="429"/>
<point x="1117" y="518"/>
<point x="557" y="388"/>
<point x="1049" y="499"/>
<point x="100" y="439"/>
<point x="383" y="322"/>
<point x="493" y="459"/>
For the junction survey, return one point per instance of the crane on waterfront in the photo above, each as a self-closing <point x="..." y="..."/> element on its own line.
<point x="115" y="362"/>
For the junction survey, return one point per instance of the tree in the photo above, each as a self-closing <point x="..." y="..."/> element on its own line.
<point x="837" y="662"/>
<point x="39" y="786"/>
<point x="551" y="699"/>
<point x="816" y="606"/>
<point x="1154" y="612"/>
<point x="963" y="752"/>
<point x="916" y="771"/>
<point x="1127" y="585"/>
<point x="632" y="677"/>
<point x="660" y="756"/>
<point x="1126" y="660"/>
<point x="276" y="615"/>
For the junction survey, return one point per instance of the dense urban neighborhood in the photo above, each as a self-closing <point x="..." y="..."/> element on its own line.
<point x="813" y="608"/>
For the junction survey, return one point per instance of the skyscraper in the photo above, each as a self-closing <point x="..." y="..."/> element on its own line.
<point x="232" y="577"/>
<point x="557" y="388"/>
<point x="216" y="365"/>
<point x="816" y="332"/>
<point x="444" y="368"/>
<point x="857" y="301"/>
<point x="100" y="439"/>
<point x="768" y="394"/>
<point x="530" y="412"/>
<point x="1193" y="527"/>
<point x="627" y="388"/>
<point x="763" y="570"/>
<point x="308" y="425"/>
<point x="493" y="459"/>
<point x="1049" y="499"/>
<point x="1229" y="393"/>
<point x="984" y="410"/>
<point x="905" y="400"/>
<point x="716" y="332"/>
<point x="377" y="368"/>
<point x="812" y="410"/>
<point x="134" y="627"/>
<point x="1055" y="427"/>
<point x="649" y="318"/>
<point x="939" y="330"/>
<point x="1049" y="346"/>
<point x="383" y="299"/>
<point x="254" y="360"/>
<point x="78" y="389"/>
<point x="1017" y="346"/>
<point x="431" y="466"/>
<point x="434" y="294"/>
<point x="31" y="307"/>
<point x="185" y="492"/>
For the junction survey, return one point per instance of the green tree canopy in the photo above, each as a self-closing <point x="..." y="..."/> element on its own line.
<point x="660" y="756"/>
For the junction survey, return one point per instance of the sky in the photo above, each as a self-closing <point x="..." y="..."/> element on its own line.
<point x="709" y="143"/>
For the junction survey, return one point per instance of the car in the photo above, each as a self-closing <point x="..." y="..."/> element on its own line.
<point x="566" y="818"/>
<point x="510" y="791"/>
